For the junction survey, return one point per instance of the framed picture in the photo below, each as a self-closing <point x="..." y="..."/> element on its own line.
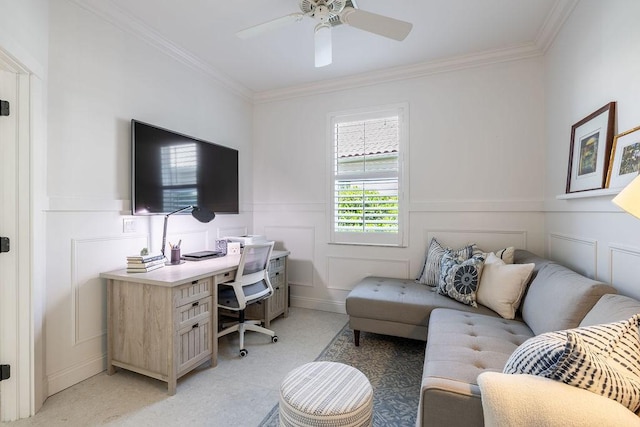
<point x="625" y="158"/>
<point x="589" y="153"/>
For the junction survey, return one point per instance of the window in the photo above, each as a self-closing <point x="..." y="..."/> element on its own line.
<point x="367" y="176"/>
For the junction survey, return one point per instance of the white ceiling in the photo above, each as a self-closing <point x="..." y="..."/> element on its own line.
<point x="204" y="31"/>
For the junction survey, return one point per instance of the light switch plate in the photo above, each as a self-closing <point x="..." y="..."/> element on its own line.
<point x="128" y="225"/>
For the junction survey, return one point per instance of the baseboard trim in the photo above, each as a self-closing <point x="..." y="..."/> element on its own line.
<point x="67" y="377"/>
<point x="319" y="304"/>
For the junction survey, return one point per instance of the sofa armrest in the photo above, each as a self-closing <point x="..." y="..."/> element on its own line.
<point x="531" y="401"/>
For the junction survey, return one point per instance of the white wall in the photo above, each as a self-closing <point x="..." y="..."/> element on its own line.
<point x="24" y="28"/>
<point x="475" y="154"/>
<point x="100" y="77"/>
<point x="593" y="61"/>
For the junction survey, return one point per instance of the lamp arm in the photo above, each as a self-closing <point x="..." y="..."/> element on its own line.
<point x="164" y="231"/>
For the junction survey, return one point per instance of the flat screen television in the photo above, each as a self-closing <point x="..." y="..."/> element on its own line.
<point x="170" y="171"/>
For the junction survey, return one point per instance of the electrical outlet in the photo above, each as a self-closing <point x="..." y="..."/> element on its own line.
<point x="128" y="225"/>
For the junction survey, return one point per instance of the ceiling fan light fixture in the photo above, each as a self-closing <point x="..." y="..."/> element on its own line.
<point x="322" y="39"/>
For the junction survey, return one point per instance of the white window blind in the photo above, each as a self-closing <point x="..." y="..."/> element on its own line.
<point x="367" y="178"/>
<point x="179" y="173"/>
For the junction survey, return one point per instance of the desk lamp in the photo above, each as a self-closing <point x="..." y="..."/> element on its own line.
<point x="629" y="198"/>
<point x="202" y="215"/>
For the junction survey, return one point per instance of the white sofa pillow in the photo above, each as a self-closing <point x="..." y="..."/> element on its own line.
<point x="532" y="401"/>
<point x="502" y="285"/>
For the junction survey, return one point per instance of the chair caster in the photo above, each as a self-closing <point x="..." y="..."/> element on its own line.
<point x="243" y="352"/>
<point x="274" y="338"/>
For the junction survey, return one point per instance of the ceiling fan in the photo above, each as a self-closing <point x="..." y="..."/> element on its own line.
<point x="329" y="13"/>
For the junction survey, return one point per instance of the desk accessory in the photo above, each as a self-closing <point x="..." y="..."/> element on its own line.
<point x="202" y="215"/>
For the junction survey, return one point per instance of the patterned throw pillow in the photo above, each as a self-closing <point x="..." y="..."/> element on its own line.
<point x="430" y="274"/>
<point x="459" y="278"/>
<point x="604" y="359"/>
<point x="506" y="254"/>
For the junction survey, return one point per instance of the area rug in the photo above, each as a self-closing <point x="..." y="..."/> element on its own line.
<point x="392" y="365"/>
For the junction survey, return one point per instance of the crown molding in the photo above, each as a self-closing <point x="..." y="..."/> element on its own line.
<point x="527" y="50"/>
<point x="553" y="23"/>
<point x="111" y="13"/>
<point x="108" y="11"/>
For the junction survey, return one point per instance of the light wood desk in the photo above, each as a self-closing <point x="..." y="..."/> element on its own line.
<point x="164" y="323"/>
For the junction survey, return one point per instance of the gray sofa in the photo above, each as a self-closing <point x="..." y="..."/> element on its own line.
<point x="464" y="342"/>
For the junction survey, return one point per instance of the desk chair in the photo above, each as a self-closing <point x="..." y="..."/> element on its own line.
<point x="250" y="286"/>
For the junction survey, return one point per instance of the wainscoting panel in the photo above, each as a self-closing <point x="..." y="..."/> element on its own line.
<point x="624" y="266"/>
<point x="487" y="240"/>
<point x="89" y="258"/>
<point x="300" y="241"/>
<point x="345" y="272"/>
<point x="577" y="253"/>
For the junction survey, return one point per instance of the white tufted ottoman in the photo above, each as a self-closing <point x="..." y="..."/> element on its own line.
<point x="325" y="394"/>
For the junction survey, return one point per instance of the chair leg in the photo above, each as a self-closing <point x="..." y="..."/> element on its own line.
<point x="246" y="325"/>
<point x="257" y="328"/>
<point x="241" y="329"/>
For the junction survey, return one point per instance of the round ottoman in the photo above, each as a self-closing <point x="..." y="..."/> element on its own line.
<point x="325" y="394"/>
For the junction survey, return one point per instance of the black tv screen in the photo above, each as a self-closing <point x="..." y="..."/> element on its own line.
<point x="171" y="171"/>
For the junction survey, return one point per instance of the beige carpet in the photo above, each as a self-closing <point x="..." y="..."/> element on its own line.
<point x="238" y="392"/>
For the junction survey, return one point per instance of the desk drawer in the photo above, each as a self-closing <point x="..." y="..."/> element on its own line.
<point x="277" y="264"/>
<point x="229" y="276"/>
<point x="194" y="312"/>
<point x="193" y="345"/>
<point x="198" y="289"/>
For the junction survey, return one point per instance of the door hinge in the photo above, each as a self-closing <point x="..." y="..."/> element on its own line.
<point x="4" y="108"/>
<point x="4" y="244"/>
<point x="5" y="372"/>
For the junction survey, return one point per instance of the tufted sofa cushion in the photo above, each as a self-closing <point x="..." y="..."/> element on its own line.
<point x="398" y="307"/>
<point x="460" y="346"/>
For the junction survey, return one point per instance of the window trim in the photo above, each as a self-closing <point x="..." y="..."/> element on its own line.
<point x="399" y="239"/>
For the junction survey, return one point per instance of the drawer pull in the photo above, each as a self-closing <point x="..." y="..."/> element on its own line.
<point x="194" y="282"/>
<point x="195" y="304"/>
<point x="197" y="325"/>
<point x="278" y="273"/>
<point x="227" y="274"/>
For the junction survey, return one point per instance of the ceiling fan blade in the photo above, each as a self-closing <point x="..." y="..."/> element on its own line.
<point x="322" y="40"/>
<point x="377" y="24"/>
<point x="270" y="25"/>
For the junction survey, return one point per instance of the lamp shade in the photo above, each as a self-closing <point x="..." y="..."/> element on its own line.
<point x="629" y="198"/>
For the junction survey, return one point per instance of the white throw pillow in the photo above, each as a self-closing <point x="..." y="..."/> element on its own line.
<point x="502" y="285"/>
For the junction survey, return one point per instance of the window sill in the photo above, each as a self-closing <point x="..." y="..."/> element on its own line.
<point x="382" y="245"/>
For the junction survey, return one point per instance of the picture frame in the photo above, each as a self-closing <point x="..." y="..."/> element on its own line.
<point x="624" y="163"/>
<point x="590" y="150"/>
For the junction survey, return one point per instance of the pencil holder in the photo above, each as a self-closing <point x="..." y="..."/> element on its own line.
<point x="175" y="255"/>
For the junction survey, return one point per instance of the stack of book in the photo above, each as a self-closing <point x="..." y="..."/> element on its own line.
<point x="144" y="263"/>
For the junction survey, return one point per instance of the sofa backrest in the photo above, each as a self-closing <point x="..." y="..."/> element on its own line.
<point x="559" y="298"/>
<point x="611" y="308"/>
<point x="522" y="256"/>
